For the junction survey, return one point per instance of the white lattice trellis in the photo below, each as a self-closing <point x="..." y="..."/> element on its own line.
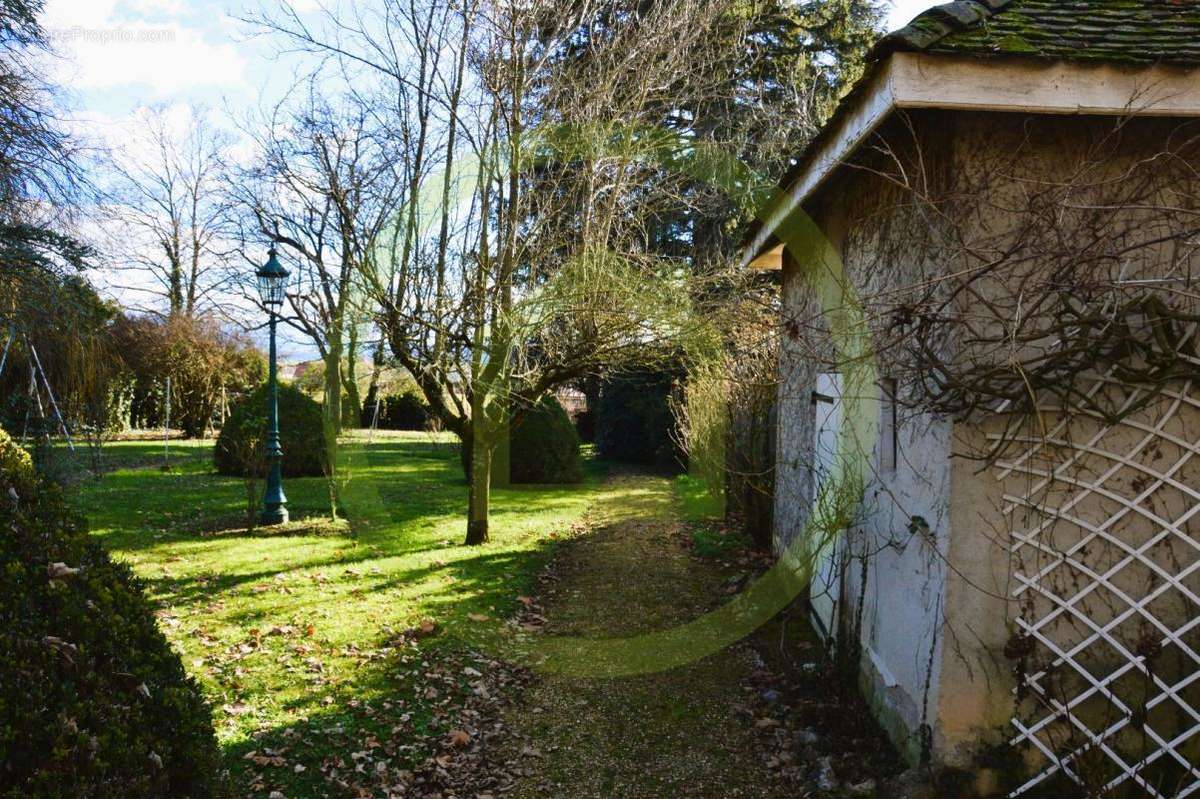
<point x="1105" y="526"/>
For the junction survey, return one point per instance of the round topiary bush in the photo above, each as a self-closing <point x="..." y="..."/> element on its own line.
<point x="240" y="446"/>
<point x="544" y="446"/>
<point x="93" y="701"/>
<point x="405" y="411"/>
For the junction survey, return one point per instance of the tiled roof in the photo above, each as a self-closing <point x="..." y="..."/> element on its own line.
<point x="1095" y="30"/>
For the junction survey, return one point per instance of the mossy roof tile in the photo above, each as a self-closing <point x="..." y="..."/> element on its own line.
<point x="1097" y="30"/>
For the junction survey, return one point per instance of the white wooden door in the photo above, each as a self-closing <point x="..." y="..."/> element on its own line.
<point x="825" y="591"/>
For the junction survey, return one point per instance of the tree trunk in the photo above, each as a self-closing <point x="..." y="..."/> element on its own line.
<point x="480" y="441"/>
<point x="354" y="410"/>
<point x="333" y="389"/>
<point x="332" y="419"/>
<point x="175" y="287"/>
<point x="480" y="500"/>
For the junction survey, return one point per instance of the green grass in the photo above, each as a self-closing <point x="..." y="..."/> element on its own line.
<point x="696" y="502"/>
<point x="667" y="733"/>
<point x="704" y="513"/>
<point x="712" y="541"/>
<point x="295" y="632"/>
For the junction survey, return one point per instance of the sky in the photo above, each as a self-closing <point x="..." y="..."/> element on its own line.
<point x="116" y="56"/>
<point x="121" y="54"/>
<point x="904" y="10"/>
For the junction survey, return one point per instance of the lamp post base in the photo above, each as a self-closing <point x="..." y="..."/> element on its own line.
<point x="277" y="515"/>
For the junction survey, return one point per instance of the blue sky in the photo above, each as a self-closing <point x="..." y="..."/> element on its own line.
<point x="121" y="54"/>
<point x="118" y="55"/>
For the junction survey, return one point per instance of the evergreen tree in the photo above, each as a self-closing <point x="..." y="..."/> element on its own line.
<point x="758" y="82"/>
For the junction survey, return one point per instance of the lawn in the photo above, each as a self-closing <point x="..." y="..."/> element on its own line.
<point x="696" y="502"/>
<point x="310" y="640"/>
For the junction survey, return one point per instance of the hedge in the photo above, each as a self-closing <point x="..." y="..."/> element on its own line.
<point x="634" y="421"/>
<point x="544" y="446"/>
<point x="93" y="700"/>
<point x="407" y="410"/>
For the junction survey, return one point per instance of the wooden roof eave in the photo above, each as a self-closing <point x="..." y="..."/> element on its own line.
<point x="906" y="80"/>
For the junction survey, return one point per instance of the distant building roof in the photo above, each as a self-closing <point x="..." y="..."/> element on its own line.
<point x="1137" y="31"/>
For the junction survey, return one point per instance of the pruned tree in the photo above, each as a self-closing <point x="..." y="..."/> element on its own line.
<point x="544" y="168"/>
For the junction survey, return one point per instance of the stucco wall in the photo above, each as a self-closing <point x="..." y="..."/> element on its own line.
<point x="935" y="611"/>
<point x="897" y="612"/>
<point x="796" y="415"/>
<point x="901" y="546"/>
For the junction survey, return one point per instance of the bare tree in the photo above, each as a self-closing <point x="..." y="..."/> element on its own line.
<point x="504" y="274"/>
<point x="40" y="177"/>
<point x="320" y="188"/>
<point x="164" y="214"/>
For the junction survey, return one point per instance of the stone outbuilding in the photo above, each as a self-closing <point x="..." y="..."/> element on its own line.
<point x="1013" y="191"/>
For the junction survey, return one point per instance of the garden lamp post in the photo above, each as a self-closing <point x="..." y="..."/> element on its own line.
<point x="272" y="279"/>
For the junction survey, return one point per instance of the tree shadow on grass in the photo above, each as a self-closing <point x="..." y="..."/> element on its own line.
<point x="395" y="707"/>
<point x="487" y="583"/>
<point x="236" y="588"/>
<point x="141" y="508"/>
<point x="300" y="525"/>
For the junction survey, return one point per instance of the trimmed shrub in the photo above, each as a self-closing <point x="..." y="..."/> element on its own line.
<point x="93" y="701"/>
<point x="16" y="468"/>
<point x="543" y="448"/>
<point x="635" y="423"/>
<point x="405" y="411"/>
<point x="543" y="445"/>
<point x="239" y="450"/>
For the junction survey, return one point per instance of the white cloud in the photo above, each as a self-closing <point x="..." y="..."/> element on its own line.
<point x="156" y="6"/>
<point x="308" y="6"/>
<point x="68" y="13"/>
<point x="105" y="45"/>
<point x="125" y="135"/>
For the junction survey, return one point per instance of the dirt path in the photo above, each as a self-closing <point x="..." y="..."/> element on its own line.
<point x="687" y="732"/>
<point x="766" y="717"/>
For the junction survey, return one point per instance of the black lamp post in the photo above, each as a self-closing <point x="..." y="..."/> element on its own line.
<point x="272" y="279"/>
